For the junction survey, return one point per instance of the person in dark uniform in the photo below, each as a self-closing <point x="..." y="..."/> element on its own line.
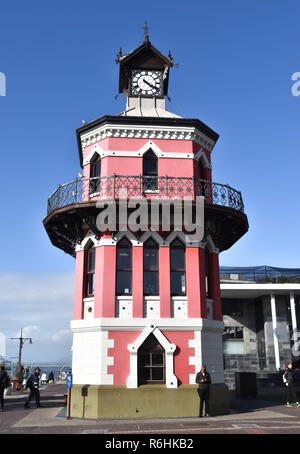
<point x="4" y="383"/>
<point x="289" y="380"/>
<point x="33" y="384"/>
<point x="203" y="380"/>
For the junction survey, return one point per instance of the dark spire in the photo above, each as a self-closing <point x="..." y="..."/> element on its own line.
<point x="146" y="32"/>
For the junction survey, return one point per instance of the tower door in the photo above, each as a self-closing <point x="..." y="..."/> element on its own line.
<point x="151" y="362"/>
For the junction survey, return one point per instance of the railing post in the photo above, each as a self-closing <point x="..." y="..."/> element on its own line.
<point x="114" y="185"/>
<point x="227" y="186"/>
<point x="140" y="186"/>
<point x="167" y="186"/>
<point x="76" y="182"/>
<point x="194" y="188"/>
<point x="58" y="196"/>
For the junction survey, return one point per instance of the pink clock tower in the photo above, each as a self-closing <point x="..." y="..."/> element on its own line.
<point x="147" y="309"/>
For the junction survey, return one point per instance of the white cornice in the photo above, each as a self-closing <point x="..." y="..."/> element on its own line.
<point x="146" y="132"/>
<point x="139" y="324"/>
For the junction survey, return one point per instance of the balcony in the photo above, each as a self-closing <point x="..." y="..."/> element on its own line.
<point x="162" y="187"/>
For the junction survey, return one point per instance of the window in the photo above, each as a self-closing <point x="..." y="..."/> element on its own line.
<point x="150" y="268"/>
<point x="207" y="273"/>
<point x="124" y="267"/>
<point x="233" y="340"/>
<point x="177" y="267"/>
<point x="233" y="307"/>
<point x="95" y="175"/>
<point x="200" y="169"/>
<point x="151" y="362"/>
<point x="150" y="171"/>
<point x="90" y="274"/>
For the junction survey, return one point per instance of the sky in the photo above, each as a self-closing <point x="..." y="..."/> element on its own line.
<point x="236" y="61"/>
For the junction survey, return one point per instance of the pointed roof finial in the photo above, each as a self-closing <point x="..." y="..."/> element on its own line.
<point x="146" y="31"/>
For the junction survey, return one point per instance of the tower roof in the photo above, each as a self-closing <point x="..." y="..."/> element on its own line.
<point x="145" y="56"/>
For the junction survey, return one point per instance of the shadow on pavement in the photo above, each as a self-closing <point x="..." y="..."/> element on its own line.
<point x="246" y="405"/>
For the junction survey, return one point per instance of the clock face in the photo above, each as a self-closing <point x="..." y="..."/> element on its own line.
<point x="146" y="82"/>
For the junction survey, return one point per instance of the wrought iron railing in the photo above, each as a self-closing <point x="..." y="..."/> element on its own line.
<point x="125" y="186"/>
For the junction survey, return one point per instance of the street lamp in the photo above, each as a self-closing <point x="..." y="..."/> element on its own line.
<point x="22" y="341"/>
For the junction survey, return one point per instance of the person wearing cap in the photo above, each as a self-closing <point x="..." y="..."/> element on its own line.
<point x="33" y="384"/>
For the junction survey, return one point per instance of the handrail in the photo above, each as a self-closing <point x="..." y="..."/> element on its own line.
<point x="158" y="187"/>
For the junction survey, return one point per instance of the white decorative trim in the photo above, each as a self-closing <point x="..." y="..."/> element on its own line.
<point x="154" y="235"/>
<point x="130" y="237"/>
<point x="197" y="358"/>
<point x="96" y="150"/>
<point x="171" y="379"/>
<point x="88" y="240"/>
<point x="201" y="155"/>
<point x="151" y="307"/>
<point x="107" y="242"/>
<point x="179" y="307"/>
<point x="139" y="153"/>
<point x="139" y="324"/>
<point x="124" y="306"/>
<point x="146" y="132"/>
<point x="88" y="307"/>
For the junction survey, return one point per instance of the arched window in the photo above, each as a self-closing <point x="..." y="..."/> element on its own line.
<point x="150" y="268"/>
<point x="151" y="362"/>
<point x="124" y="267"/>
<point x="200" y="169"/>
<point x="95" y="174"/>
<point x="177" y="268"/>
<point x="150" y="171"/>
<point x="207" y="273"/>
<point x="90" y="271"/>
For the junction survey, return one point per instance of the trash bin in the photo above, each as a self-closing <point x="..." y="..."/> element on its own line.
<point x="245" y="384"/>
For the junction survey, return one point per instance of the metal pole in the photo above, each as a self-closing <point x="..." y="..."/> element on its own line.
<point x="69" y="404"/>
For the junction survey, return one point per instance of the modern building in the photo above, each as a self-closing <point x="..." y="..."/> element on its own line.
<point x="261" y="314"/>
<point x="147" y="310"/>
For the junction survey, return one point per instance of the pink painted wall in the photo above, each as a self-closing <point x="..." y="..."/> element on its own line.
<point x="182" y="369"/>
<point x="164" y="282"/>
<point x="79" y="285"/>
<point x="203" y="310"/>
<point x="193" y="281"/>
<point x="135" y="144"/>
<point x="175" y="167"/>
<point x="121" y="355"/>
<point x="137" y="281"/>
<point x="105" y="281"/>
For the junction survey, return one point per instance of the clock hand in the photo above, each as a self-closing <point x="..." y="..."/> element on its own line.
<point x="150" y="85"/>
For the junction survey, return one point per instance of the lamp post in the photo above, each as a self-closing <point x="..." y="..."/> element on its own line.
<point x="22" y="341"/>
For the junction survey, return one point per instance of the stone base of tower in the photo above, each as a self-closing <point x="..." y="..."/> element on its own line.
<point x="147" y="401"/>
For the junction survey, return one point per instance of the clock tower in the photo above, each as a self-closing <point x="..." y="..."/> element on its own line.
<point x="144" y="79"/>
<point x="147" y="307"/>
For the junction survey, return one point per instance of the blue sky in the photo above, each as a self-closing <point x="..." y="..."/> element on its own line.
<point x="235" y="60"/>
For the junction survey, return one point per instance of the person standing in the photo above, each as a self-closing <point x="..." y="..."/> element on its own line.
<point x="51" y="377"/>
<point x="203" y="380"/>
<point x="4" y="383"/>
<point x="289" y="380"/>
<point x="33" y="384"/>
